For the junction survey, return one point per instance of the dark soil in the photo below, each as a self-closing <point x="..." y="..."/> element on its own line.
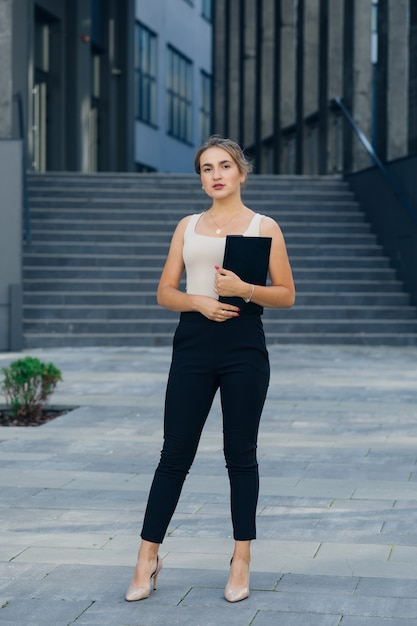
<point x="46" y="416"/>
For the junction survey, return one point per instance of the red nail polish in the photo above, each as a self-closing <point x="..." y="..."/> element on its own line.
<point x="216" y="267"/>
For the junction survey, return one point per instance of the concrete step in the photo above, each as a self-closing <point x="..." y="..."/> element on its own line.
<point x="293" y="230"/>
<point x="100" y="241"/>
<point x="141" y="255"/>
<point x="315" y="246"/>
<point x="125" y="312"/>
<point x="132" y="234"/>
<point x="349" y="338"/>
<point x="308" y="242"/>
<point x="146" y="325"/>
<point x="336" y="312"/>
<point x="175" y="181"/>
<point x="154" y="267"/>
<point x="137" y="284"/>
<point x="154" y="339"/>
<point x="158" y="211"/>
<point x="373" y="300"/>
<point x="277" y="195"/>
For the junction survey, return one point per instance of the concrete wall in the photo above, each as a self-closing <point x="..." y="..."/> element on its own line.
<point x="10" y="236"/>
<point x="6" y="87"/>
<point x="249" y="69"/>
<point x="398" y="68"/>
<point x="10" y="193"/>
<point x="311" y="59"/>
<point x="349" y="75"/>
<point x="287" y="63"/>
<point x="362" y="95"/>
<point x="180" y="24"/>
<point x="335" y="82"/>
<point x="335" y="47"/>
<point x="268" y="43"/>
<point x="310" y="87"/>
<point x="233" y="119"/>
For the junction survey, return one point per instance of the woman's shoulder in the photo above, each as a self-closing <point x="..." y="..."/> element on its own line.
<point x="194" y="217"/>
<point x="269" y="227"/>
<point x="188" y="221"/>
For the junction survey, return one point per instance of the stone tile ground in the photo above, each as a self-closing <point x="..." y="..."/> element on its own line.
<point x="337" y="515"/>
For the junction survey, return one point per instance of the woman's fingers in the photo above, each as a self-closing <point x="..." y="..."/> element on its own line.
<point x="222" y="314"/>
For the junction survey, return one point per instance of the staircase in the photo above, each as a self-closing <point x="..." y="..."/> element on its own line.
<point x="100" y="241"/>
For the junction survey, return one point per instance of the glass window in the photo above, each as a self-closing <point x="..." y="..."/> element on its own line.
<point x="145" y="75"/>
<point x="179" y="96"/>
<point x="207" y="10"/>
<point x="205" y="106"/>
<point x="42" y="46"/>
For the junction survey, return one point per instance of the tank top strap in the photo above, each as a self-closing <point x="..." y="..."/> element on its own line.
<point x="189" y="230"/>
<point x="254" y="227"/>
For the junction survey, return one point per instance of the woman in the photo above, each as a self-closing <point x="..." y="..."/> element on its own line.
<point x="214" y="348"/>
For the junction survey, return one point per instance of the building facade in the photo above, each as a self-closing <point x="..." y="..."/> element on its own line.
<point x="173" y="62"/>
<point x="280" y="64"/>
<point x="71" y="73"/>
<point x="103" y="85"/>
<point x="94" y="86"/>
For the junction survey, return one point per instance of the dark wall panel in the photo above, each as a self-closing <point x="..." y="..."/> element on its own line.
<point x="395" y="227"/>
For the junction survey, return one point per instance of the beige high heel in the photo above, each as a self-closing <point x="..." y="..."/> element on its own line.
<point x="141" y="593"/>
<point x="232" y="594"/>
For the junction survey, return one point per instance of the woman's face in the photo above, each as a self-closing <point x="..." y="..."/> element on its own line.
<point x="220" y="175"/>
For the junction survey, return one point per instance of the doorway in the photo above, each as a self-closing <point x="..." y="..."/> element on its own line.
<point x="46" y="92"/>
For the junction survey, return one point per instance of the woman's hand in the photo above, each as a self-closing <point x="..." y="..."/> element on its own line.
<point x="227" y="283"/>
<point x="215" y="310"/>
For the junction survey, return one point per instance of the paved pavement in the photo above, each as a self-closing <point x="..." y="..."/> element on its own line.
<point x="337" y="517"/>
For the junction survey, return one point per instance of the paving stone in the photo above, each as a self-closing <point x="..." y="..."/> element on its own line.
<point x="36" y="611"/>
<point x="318" y="584"/>
<point x="150" y="614"/>
<point x="273" y="618"/>
<point x="386" y="588"/>
<point x="377" y="621"/>
<point x="337" y="521"/>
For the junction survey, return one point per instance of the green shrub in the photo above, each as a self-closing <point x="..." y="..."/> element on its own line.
<point x="27" y="385"/>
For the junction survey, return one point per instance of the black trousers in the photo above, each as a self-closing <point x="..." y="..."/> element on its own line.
<point x="230" y="356"/>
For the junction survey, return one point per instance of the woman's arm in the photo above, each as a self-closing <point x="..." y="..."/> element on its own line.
<point x="281" y="292"/>
<point x="171" y="297"/>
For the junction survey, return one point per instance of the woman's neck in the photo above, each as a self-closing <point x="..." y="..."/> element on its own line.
<point x="228" y="205"/>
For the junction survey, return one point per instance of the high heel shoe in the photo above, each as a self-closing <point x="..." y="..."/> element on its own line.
<point x="141" y="593"/>
<point x="233" y="594"/>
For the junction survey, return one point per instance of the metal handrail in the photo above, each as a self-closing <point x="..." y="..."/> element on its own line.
<point x="371" y="151"/>
<point x="26" y="207"/>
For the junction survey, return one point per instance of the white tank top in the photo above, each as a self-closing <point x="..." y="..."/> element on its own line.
<point x="201" y="253"/>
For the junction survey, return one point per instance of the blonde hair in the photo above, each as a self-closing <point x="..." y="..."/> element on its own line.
<point x="230" y="146"/>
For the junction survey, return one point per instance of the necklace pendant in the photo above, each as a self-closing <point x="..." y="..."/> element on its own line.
<point x="218" y="231"/>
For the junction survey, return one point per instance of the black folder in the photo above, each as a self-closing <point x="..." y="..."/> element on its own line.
<point x="248" y="257"/>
